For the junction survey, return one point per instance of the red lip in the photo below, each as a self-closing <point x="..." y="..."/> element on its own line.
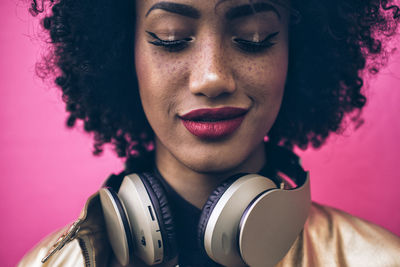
<point x="213" y="123"/>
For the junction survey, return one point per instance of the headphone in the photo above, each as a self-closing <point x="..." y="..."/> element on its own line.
<point x="248" y="220"/>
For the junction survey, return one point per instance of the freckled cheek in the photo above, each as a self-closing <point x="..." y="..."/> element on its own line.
<point x="158" y="69"/>
<point x="265" y="85"/>
<point x="158" y="77"/>
<point x="149" y="83"/>
<point x="148" y="69"/>
<point x="264" y="79"/>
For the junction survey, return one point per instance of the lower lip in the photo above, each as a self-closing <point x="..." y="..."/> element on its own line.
<point x="213" y="130"/>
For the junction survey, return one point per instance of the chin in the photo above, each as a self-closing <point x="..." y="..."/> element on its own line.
<point x="209" y="168"/>
<point x="216" y="163"/>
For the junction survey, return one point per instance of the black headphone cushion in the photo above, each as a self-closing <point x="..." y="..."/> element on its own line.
<point x="159" y="199"/>
<point x="209" y="207"/>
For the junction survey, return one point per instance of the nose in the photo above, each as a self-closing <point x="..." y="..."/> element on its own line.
<point x="211" y="73"/>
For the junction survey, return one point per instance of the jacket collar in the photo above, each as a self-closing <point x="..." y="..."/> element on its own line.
<point x="89" y="229"/>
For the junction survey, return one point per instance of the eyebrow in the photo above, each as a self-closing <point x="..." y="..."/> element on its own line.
<point x="248" y="10"/>
<point x="180" y="9"/>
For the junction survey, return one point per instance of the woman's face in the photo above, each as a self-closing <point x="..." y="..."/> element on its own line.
<point x="211" y="78"/>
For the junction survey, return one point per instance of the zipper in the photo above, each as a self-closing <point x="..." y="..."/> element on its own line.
<point x="85" y="252"/>
<point x="65" y="238"/>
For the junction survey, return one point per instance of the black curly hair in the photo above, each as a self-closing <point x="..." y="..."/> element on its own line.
<point x="92" y="55"/>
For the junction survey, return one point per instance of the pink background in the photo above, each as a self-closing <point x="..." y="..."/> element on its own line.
<point x="47" y="171"/>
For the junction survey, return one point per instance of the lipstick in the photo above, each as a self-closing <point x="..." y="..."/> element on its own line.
<point x="213" y="123"/>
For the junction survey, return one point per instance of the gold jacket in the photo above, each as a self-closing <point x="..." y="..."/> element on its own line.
<point x="330" y="238"/>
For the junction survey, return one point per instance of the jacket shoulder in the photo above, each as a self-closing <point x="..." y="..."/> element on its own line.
<point x="336" y="225"/>
<point x="70" y="255"/>
<point x="335" y="238"/>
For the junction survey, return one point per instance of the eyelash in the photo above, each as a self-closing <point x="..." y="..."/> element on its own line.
<point x="244" y="45"/>
<point x="255" y="47"/>
<point x="170" y="46"/>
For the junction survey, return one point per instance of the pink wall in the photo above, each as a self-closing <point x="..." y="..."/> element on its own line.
<point x="47" y="172"/>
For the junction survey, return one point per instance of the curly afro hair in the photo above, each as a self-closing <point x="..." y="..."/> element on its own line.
<point x="92" y="55"/>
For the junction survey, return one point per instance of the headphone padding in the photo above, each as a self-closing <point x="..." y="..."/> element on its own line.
<point x="209" y="207"/>
<point x="163" y="213"/>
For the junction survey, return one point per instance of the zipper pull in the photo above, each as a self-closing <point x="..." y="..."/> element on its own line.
<point x="65" y="238"/>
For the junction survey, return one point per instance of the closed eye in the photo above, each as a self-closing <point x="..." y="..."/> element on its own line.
<point x="170" y="45"/>
<point x="255" y="46"/>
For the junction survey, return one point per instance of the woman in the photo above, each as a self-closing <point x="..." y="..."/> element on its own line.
<point x="188" y="91"/>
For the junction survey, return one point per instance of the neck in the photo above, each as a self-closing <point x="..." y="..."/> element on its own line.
<point x="194" y="186"/>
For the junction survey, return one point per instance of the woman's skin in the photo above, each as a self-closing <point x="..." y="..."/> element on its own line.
<point x="208" y="67"/>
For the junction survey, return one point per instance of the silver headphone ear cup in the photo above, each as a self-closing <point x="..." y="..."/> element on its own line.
<point x="118" y="227"/>
<point x="221" y="230"/>
<point x="147" y="241"/>
<point x="271" y="224"/>
<point x="209" y="207"/>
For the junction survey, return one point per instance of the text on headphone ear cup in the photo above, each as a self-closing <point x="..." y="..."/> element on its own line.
<point x="147" y="238"/>
<point x="163" y="213"/>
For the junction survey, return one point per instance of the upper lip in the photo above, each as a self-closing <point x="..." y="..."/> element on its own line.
<point x="224" y="113"/>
